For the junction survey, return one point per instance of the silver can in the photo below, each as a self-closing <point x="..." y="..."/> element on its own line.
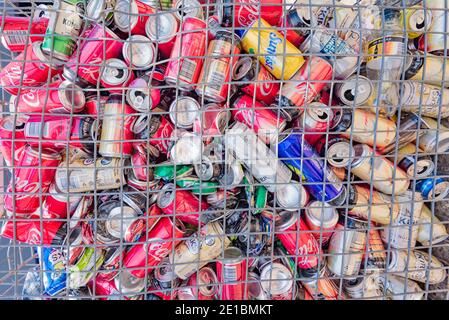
<point x="403" y="231"/>
<point x="277" y="281"/>
<point x="184" y="111"/>
<point x="139" y="52"/>
<point x="256" y="156"/>
<point x="292" y="196"/>
<point x="187" y="149"/>
<point x="347" y="246"/>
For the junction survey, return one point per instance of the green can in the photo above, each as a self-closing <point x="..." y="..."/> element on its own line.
<point x="198" y="187"/>
<point x="63" y="28"/>
<point x="166" y="171"/>
<point x="261" y="198"/>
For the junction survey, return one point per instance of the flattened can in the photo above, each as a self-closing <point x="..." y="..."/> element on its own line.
<point x="281" y="58"/>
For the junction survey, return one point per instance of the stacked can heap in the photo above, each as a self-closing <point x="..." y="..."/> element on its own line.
<point x="239" y="149"/>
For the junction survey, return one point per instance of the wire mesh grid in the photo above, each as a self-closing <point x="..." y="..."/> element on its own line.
<point x="133" y="171"/>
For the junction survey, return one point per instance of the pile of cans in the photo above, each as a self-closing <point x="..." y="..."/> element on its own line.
<point x="227" y="149"/>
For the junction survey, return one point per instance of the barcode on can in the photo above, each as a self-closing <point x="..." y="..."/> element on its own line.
<point x="187" y="70"/>
<point x="34" y="129"/>
<point x="19" y="37"/>
<point x="230" y="273"/>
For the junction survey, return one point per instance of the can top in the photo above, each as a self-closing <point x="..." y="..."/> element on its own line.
<point x="95" y="8"/>
<point x="233" y="255"/>
<point x="184" y="111"/>
<point x="113" y="253"/>
<point x="188" y="8"/>
<point x="207" y="280"/>
<point x="165" y="272"/>
<point x="71" y="96"/>
<point x="126" y="15"/>
<point x="340" y="154"/>
<point x="162" y="27"/>
<point x="115" y="72"/>
<point x="166" y="195"/>
<point x="255" y="290"/>
<point x="138" y="95"/>
<point x="276" y="279"/>
<point x="139" y="51"/>
<point x="292" y="196"/>
<point x="356" y="90"/>
<point x="285" y="219"/>
<point x="321" y="213"/>
<point x="127" y="284"/>
<point x="242" y="67"/>
<point x="119" y="219"/>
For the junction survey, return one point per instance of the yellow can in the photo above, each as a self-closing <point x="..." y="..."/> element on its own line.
<point x="272" y="49"/>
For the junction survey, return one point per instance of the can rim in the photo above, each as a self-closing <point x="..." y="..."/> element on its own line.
<point x="67" y="100"/>
<point x="347" y="85"/>
<point x="283" y="195"/>
<point x="285" y="219"/>
<point x="340" y="159"/>
<point x="131" y="12"/>
<point x="185" y="4"/>
<point x="267" y="277"/>
<point x="125" y="219"/>
<point x="120" y="64"/>
<point x="48" y="154"/>
<point x="213" y="280"/>
<point x="189" y="106"/>
<point x="317" y="209"/>
<point x="171" y="20"/>
<point x="141" y="41"/>
<point x="232" y="255"/>
<point x="124" y="283"/>
<point x="167" y="190"/>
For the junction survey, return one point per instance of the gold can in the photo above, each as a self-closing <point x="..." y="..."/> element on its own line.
<point x="380" y="209"/>
<point x="197" y="251"/>
<point x="372" y="129"/>
<point x="374" y="168"/>
<point x="430" y="228"/>
<point x="417" y="265"/>
<point x="83" y="175"/>
<point x="428" y="68"/>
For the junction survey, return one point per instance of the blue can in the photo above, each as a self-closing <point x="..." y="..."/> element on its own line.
<point x="301" y="158"/>
<point x="433" y="188"/>
<point x="54" y="270"/>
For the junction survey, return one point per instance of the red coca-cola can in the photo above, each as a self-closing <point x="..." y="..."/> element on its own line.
<point x="202" y="285"/>
<point x="139" y="164"/>
<point x="304" y="87"/>
<point x="35" y="231"/>
<point x="241" y="13"/>
<point x="160" y="132"/>
<point x="31" y="68"/>
<point x="61" y="96"/>
<point x="130" y="16"/>
<point x="266" y="123"/>
<point x="298" y="242"/>
<point x="211" y="122"/>
<point x="162" y="29"/>
<point x="187" y="57"/>
<point x="12" y="139"/>
<point x="116" y="75"/>
<point x="183" y="204"/>
<point x="59" y="205"/>
<point x="34" y="173"/>
<point x="94" y="105"/>
<point x="316" y="118"/>
<point x="15" y="34"/>
<point x="99" y="45"/>
<point x="154" y="247"/>
<point x="56" y="132"/>
<point x="255" y="80"/>
<point x="231" y="274"/>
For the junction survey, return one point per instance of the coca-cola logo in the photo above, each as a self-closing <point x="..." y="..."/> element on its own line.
<point x="306" y="252"/>
<point x="265" y="87"/>
<point x="90" y="70"/>
<point x="29" y="189"/>
<point x="14" y="76"/>
<point x="31" y="98"/>
<point x="247" y="12"/>
<point x="156" y="249"/>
